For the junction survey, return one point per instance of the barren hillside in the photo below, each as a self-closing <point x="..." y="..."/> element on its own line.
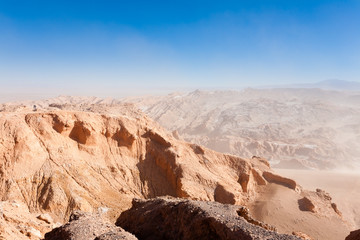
<point x="99" y="156"/>
<point x="293" y="128"/>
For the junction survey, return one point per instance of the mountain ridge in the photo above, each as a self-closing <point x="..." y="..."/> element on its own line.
<point x="100" y="156"/>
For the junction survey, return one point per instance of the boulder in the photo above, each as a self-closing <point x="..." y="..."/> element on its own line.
<point x="88" y="226"/>
<point x="305" y="204"/>
<point x="273" y="178"/>
<point x="174" y="218"/>
<point x="354" y="235"/>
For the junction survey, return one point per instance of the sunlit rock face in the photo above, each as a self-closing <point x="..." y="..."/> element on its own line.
<point x="94" y="156"/>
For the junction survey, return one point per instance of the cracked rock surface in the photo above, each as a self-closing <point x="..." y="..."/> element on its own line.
<point x="171" y="218"/>
<point x="87" y="226"/>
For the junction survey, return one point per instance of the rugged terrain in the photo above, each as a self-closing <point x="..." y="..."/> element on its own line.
<point x="88" y="226"/>
<point x="293" y="128"/>
<point x="166" y="218"/>
<point x="82" y="154"/>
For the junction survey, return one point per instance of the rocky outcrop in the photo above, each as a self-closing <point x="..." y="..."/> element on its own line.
<point x="60" y="161"/>
<point x="99" y="157"/>
<point x="354" y="235"/>
<point x="319" y="201"/>
<point x="323" y="195"/>
<point x="271" y="177"/>
<point x="170" y="218"/>
<point x="45" y="217"/>
<point x="305" y="204"/>
<point x="334" y="206"/>
<point x="16" y="222"/>
<point x="302" y="235"/>
<point x="87" y="226"/>
<point x="244" y="212"/>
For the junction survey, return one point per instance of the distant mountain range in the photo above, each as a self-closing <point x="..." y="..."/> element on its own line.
<point x="331" y="84"/>
<point x="295" y="127"/>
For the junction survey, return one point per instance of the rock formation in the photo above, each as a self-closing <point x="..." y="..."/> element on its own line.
<point x="319" y="201"/>
<point x="86" y="226"/>
<point x="354" y="235"/>
<point x="271" y="177"/>
<point x="16" y="222"/>
<point x="60" y="161"/>
<point x="305" y="204"/>
<point x="98" y="157"/>
<point x="302" y="236"/>
<point x="168" y="218"/>
<point x="300" y="128"/>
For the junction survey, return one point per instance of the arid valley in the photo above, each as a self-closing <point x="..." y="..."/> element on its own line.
<point x="288" y="162"/>
<point x="180" y="120"/>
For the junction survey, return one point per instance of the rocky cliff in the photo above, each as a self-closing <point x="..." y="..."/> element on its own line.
<point x="98" y="157"/>
<point x="60" y="161"/>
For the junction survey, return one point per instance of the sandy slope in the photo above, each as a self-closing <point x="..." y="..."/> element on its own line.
<point x="342" y="186"/>
<point x="278" y="208"/>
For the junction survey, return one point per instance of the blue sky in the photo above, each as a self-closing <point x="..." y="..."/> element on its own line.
<point x="116" y="48"/>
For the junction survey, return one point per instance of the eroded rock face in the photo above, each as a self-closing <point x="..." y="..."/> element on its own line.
<point x="16" y="222"/>
<point x="169" y="218"/>
<point x="319" y="202"/>
<point x="101" y="158"/>
<point x="87" y="226"/>
<point x="294" y="126"/>
<point x="60" y="161"/>
<point x="271" y="177"/>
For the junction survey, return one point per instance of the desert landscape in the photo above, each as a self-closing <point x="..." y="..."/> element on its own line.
<point x="293" y="128"/>
<point x="179" y="120"/>
<point x="99" y="155"/>
<point x="301" y="131"/>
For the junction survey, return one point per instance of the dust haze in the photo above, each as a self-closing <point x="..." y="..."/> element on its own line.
<point x="291" y="156"/>
<point x="292" y="128"/>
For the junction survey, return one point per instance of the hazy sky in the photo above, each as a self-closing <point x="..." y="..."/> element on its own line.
<point x="117" y="47"/>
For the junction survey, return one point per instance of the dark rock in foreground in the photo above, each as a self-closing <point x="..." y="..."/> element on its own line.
<point x="87" y="226"/>
<point x="171" y="218"/>
<point x="354" y="235"/>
